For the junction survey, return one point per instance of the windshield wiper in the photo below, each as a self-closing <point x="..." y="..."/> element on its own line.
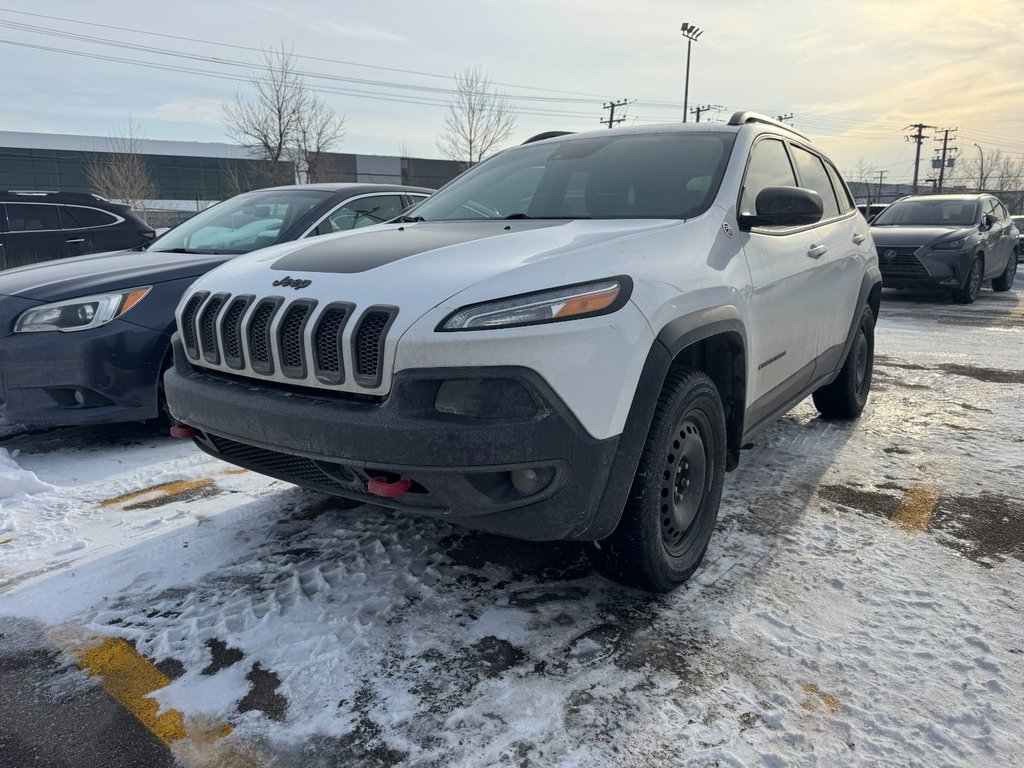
<point x="548" y="218"/>
<point x="409" y="219"/>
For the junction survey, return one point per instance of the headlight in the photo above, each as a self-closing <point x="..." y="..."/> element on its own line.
<point x="79" y="314"/>
<point x="568" y="303"/>
<point x="949" y="245"/>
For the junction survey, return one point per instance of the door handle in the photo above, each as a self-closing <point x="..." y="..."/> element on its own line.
<point x="817" y="251"/>
<point x="859" y="238"/>
<point x="77" y="240"/>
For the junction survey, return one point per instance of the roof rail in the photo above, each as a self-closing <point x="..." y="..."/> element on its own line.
<point x="46" y="192"/>
<point x="548" y="135"/>
<point x="742" y="118"/>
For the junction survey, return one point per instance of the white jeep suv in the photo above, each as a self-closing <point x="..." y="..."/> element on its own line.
<point x="572" y="340"/>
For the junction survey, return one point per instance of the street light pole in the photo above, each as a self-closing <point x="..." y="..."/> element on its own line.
<point x="691" y="32"/>
<point x="981" y="168"/>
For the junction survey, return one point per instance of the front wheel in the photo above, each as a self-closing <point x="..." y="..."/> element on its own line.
<point x="1005" y="281"/>
<point x="846" y="397"/>
<point x="673" y="504"/>
<point x="972" y="286"/>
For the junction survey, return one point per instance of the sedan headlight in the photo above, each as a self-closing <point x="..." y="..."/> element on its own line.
<point x="568" y="303"/>
<point x="949" y="245"/>
<point x="79" y="314"/>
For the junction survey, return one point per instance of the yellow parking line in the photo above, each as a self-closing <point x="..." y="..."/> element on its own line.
<point x="6" y="541"/>
<point x="167" y="489"/>
<point x="1018" y="313"/>
<point x="915" y="511"/>
<point x="130" y="678"/>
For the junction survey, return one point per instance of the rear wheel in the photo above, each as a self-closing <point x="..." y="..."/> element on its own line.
<point x="673" y="504"/>
<point x="846" y="397"/>
<point x="969" y="292"/>
<point x="1005" y="281"/>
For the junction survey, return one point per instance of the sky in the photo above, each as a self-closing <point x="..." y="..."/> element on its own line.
<point x="852" y="74"/>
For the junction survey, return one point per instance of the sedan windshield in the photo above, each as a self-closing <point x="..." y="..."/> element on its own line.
<point x="929" y="213"/>
<point x="626" y="176"/>
<point x="243" y="223"/>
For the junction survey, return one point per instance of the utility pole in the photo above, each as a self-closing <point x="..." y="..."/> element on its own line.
<point x="881" y="175"/>
<point x="611" y="106"/>
<point x="917" y="138"/>
<point x="700" y="110"/>
<point x="945" y="150"/>
<point x="785" y="118"/>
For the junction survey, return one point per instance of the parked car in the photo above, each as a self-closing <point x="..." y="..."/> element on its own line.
<point x="955" y="242"/>
<point x="870" y="210"/>
<point x="572" y="340"/>
<point x="43" y="226"/>
<point x="84" y="340"/>
<point x="1018" y="222"/>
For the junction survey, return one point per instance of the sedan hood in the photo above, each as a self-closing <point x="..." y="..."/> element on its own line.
<point x="98" y="272"/>
<point x="917" y="236"/>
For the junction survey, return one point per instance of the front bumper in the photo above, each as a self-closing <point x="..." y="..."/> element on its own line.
<point x="109" y="374"/>
<point x="903" y="267"/>
<point x="461" y="467"/>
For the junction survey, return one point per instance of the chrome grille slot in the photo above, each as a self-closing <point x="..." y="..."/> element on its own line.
<point x="231" y="331"/>
<point x="291" y="345"/>
<point x="208" y="328"/>
<point x="901" y="264"/>
<point x="258" y="335"/>
<point x="189" y="336"/>
<point x="368" y="344"/>
<point x="328" y="360"/>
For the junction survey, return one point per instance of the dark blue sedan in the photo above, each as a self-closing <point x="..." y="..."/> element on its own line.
<point x="85" y="340"/>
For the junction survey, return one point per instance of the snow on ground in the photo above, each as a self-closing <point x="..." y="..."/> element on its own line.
<point x="827" y="627"/>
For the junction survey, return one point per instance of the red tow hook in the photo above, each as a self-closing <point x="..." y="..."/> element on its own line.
<point x="381" y="486"/>
<point x="183" y="431"/>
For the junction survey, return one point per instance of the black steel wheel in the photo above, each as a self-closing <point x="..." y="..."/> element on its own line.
<point x="673" y="504"/>
<point x="846" y="397"/>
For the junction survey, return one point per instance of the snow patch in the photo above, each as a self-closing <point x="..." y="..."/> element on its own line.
<point x="14" y="480"/>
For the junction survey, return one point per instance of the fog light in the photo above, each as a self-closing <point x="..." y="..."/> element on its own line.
<point x="526" y="481"/>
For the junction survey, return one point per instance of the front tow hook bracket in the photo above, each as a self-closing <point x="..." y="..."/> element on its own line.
<point x="381" y="486"/>
<point x="183" y="431"/>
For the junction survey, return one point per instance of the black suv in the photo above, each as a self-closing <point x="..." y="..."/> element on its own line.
<point x="43" y="226"/>
<point x="955" y="242"/>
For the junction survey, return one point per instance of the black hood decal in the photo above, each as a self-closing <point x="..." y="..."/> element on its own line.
<point x="377" y="247"/>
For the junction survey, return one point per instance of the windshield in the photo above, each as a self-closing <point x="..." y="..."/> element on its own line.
<point x="243" y="223"/>
<point x="631" y="176"/>
<point x="929" y="213"/>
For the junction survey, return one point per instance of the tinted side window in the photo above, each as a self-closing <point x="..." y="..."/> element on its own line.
<point x="769" y="167"/>
<point x="814" y="176"/>
<point x="1001" y="212"/>
<point x="362" y="213"/>
<point x="67" y="219"/>
<point x="92" y="217"/>
<point x="842" y="191"/>
<point x="988" y="208"/>
<point x="26" y="217"/>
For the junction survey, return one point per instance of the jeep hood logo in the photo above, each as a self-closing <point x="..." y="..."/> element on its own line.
<point x="286" y="282"/>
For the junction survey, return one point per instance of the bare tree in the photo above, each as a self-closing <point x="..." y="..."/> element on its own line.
<point x="283" y="120"/>
<point x="121" y="173"/>
<point x="995" y="172"/>
<point x="478" y="120"/>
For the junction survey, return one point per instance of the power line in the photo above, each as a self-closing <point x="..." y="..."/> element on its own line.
<point x="611" y="106"/>
<point x="701" y="109"/>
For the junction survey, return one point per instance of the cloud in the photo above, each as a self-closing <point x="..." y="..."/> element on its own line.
<point x="188" y="111"/>
<point x="357" y="31"/>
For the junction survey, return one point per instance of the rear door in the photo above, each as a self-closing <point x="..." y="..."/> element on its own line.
<point x="34" y="234"/>
<point x="101" y="230"/>
<point x="76" y="237"/>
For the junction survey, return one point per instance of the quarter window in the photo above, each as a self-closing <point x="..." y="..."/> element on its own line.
<point x="91" y="217"/>
<point x="26" y="217"/>
<point x="769" y="167"/>
<point x="814" y="176"/>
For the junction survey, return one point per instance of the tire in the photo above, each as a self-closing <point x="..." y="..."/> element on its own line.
<point x="846" y="397"/>
<point x="673" y="504"/>
<point x="1005" y="281"/>
<point x="972" y="285"/>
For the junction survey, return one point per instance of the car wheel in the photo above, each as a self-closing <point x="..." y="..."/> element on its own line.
<point x="846" y="397"/>
<point x="972" y="285"/>
<point x="1005" y="281"/>
<point x="673" y="504"/>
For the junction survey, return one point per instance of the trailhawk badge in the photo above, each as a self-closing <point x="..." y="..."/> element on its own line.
<point x="286" y="282"/>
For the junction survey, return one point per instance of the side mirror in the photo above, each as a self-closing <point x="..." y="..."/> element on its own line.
<point x="987" y="221"/>
<point x="784" y="207"/>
